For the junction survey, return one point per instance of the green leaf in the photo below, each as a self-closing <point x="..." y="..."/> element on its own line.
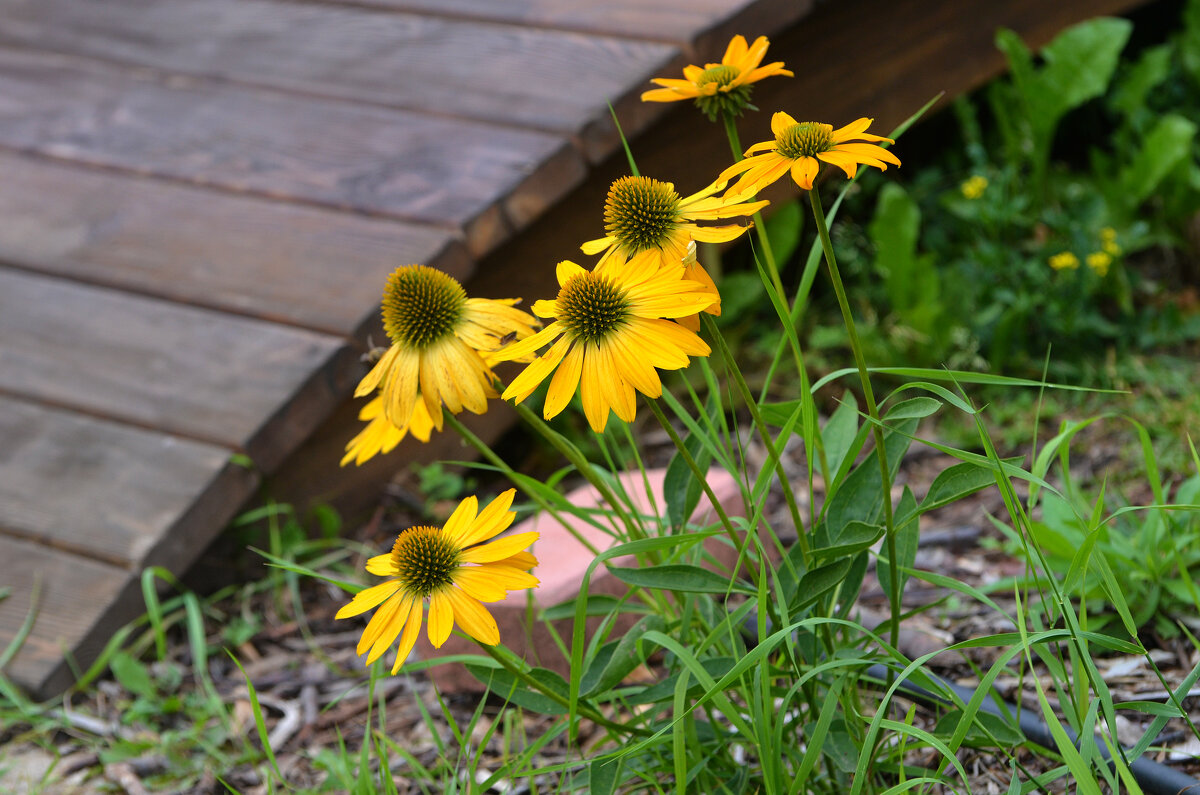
<point x="860" y="495"/>
<point x="1002" y="734"/>
<point x="911" y="282"/>
<point x="918" y="407"/>
<point x="854" y="537"/>
<point x="740" y="292"/>
<point x="132" y="675"/>
<point x="816" y="583"/>
<point x="1129" y="95"/>
<point x="597" y="605"/>
<point x="958" y="481"/>
<point x="505" y="685"/>
<point x="681" y="489"/>
<point x="1189" y="42"/>
<point x="628" y="653"/>
<point x="678" y="577"/>
<point x="783" y="232"/>
<point x="1165" y="147"/>
<point x="839" y="431"/>
<point x="661" y="691"/>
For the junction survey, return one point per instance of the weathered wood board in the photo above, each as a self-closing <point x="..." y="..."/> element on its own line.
<point x="453" y="173"/>
<point x="276" y="261"/>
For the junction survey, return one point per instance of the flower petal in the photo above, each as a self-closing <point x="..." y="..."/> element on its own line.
<point x="499" y="549"/>
<point x="441" y="618"/>
<point x="368" y="598"/>
<point x="473" y="617"/>
<point x="412" y="628"/>
<point x="492" y="520"/>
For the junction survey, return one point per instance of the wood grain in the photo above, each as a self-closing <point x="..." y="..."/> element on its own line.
<point x="226" y="380"/>
<point x="372" y="160"/>
<point x="304" y="266"/>
<point x="73" y="594"/>
<point x="550" y="80"/>
<point x="680" y="22"/>
<point x="112" y="492"/>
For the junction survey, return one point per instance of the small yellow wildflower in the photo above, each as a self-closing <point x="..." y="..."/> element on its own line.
<point x="454" y="569"/>
<point x="1064" y="260"/>
<point x="974" y="187"/>
<point x="1108" y="242"/>
<point x="1099" y="261"/>
<point x="720" y="88"/>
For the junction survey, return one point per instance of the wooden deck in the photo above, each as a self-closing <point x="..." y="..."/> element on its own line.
<point x="200" y="200"/>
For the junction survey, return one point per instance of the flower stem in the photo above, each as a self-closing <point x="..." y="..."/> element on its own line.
<point x="500" y="464"/>
<point x="765" y="433"/>
<point x="701" y="477"/>
<point x="872" y="411"/>
<point x="735" y="143"/>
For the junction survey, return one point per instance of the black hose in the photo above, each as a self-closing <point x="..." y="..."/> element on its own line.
<point x="1154" y="779"/>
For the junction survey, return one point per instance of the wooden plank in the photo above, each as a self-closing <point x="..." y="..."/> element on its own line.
<point x="74" y="594"/>
<point x="460" y="174"/>
<point x="680" y="22"/>
<point x="305" y="266"/>
<point x="223" y="379"/>
<point x="549" y="80"/>
<point x="109" y="492"/>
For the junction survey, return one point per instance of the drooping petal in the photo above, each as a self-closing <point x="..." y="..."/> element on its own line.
<point x="804" y="171"/>
<point x="389" y="626"/>
<point x="473" y="617"/>
<point x="536" y="371"/>
<point x="563" y="385"/>
<point x="368" y="598"/>
<point x="412" y="627"/>
<point x="441" y="618"/>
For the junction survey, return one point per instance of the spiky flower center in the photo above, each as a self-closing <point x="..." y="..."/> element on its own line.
<point x="424" y="560"/>
<point x="640" y="213"/>
<point x="592" y="307"/>
<point x="721" y="74"/>
<point x="421" y="306"/>
<point x="807" y="139"/>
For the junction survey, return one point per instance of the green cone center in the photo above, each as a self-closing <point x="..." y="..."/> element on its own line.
<point x="424" y="560"/>
<point x="592" y="307"/>
<point x="640" y="213"/>
<point x="721" y="74"/>
<point x="807" y="139"/>
<point x="421" y="306"/>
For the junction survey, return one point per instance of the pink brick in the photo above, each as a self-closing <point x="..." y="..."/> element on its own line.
<point x="563" y="561"/>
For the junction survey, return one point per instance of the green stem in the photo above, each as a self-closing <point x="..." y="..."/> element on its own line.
<point x="581" y="464"/>
<point x="735" y="143"/>
<point x="765" y="433"/>
<point x="500" y="464"/>
<point x="585" y="711"/>
<point x="701" y="477"/>
<point x="872" y="411"/>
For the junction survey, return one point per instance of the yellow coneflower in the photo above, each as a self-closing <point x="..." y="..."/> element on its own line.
<point x="609" y="334"/>
<point x="798" y="146"/>
<point x="439" y="342"/>
<point x="644" y="215"/>
<point x="1064" y="260"/>
<point x="720" y="88"/>
<point x="1099" y="261"/>
<point x="452" y="568"/>
<point x="381" y="436"/>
